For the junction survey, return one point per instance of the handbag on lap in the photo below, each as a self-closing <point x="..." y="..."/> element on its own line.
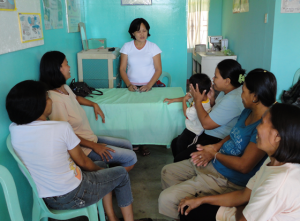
<point x="83" y="90"/>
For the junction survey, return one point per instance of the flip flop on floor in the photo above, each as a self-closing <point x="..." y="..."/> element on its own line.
<point x="145" y="151"/>
<point x="135" y="148"/>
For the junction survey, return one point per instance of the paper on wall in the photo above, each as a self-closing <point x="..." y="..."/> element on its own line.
<point x="53" y="14"/>
<point x="244" y="6"/>
<point x="30" y="27"/>
<point x="136" y="2"/>
<point x="7" y="5"/>
<point x="236" y="6"/>
<point x="73" y="15"/>
<point x="290" y="6"/>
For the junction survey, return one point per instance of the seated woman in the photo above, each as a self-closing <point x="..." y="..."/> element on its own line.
<point x="226" y="109"/>
<point x="236" y="157"/>
<point x="54" y="71"/>
<point x="273" y="193"/>
<point x="141" y="59"/>
<point x="64" y="176"/>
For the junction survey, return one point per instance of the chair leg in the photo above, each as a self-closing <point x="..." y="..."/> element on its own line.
<point x="36" y="211"/>
<point x="101" y="211"/>
<point x="92" y="213"/>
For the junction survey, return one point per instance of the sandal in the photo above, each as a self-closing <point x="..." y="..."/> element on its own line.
<point x="136" y="148"/>
<point x="145" y="151"/>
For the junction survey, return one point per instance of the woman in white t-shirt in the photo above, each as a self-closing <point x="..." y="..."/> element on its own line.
<point x="141" y="58"/>
<point x="273" y="192"/>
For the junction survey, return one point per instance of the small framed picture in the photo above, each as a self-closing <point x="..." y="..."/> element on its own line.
<point x="136" y="2"/>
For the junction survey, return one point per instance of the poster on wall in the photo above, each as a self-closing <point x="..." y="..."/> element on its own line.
<point x="8" y="5"/>
<point x="52" y="14"/>
<point x="290" y="6"/>
<point x="244" y="6"/>
<point x="30" y="27"/>
<point x="136" y="2"/>
<point x="73" y="15"/>
<point x="236" y="6"/>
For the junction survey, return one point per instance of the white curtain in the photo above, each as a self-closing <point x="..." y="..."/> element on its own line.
<point x="197" y="22"/>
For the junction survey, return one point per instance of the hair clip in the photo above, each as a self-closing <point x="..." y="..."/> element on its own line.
<point x="241" y="79"/>
<point x="265" y="71"/>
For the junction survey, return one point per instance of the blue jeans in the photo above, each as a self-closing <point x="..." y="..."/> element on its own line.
<point x="124" y="156"/>
<point x="93" y="187"/>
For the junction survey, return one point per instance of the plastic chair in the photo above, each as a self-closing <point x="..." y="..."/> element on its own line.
<point x="296" y="76"/>
<point x="41" y="211"/>
<point x="167" y="75"/>
<point x="10" y="193"/>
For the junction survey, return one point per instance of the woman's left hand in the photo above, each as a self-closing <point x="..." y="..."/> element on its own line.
<point x="97" y="111"/>
<point x="145" y="88"/>
<point x="204" y="155"/>
<point x="191" y="203"/>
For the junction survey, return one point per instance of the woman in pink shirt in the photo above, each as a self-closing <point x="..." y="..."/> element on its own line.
<point x="273" y="192"/>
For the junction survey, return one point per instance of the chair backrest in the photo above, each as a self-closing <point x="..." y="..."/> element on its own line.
<point x="26" y="174"/>
<point x="167" y="75"/>
<point x="10" y="193"/>
<point x="296" y="76"/>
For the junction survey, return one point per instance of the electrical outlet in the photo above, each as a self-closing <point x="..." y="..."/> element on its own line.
<point x="266" y="18"/>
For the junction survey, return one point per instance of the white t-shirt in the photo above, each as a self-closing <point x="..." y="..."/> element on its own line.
<point x="275" y="195"/>
<point x="43" y="148"/>
<point x="140" y="66"/>
<point x="192" y="122"/>
<point x="66" y="108"/>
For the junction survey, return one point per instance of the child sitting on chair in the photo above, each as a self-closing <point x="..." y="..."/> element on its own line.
<point x="193" y="126"/>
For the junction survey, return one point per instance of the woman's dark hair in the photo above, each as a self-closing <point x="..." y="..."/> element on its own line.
<point x="26" y="101"/>
<point x="231" y="69"/>
<point x="135" y="26"/>
<point x="285" y="119"/>
<point x="203" y="81"/>
<point x="50" y="72"/>
<point x="263" y="84"/>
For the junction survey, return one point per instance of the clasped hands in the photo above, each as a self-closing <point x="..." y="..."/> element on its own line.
<point x="144" y="88"/>
<point x="204" y="155"/>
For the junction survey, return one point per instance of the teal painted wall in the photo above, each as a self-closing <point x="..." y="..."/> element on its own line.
<point x="285" y="53"/>
<point x="249" y="37"/>
<point x="167" y="19"/>
<point x="215" y="17"/>
<point x="23" y="65"/>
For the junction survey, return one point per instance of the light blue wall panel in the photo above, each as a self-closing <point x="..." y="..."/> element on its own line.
<point x="23" y="65"/>
<point x="286" y="47"/>
<point x="167" y="19"/>
<point x="249" y="37"/>
<point x="215" y="17"/>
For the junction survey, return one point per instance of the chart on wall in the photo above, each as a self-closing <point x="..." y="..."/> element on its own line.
<point x="7" y="5"/>
<point x="290" y="6"/>
<point x="30" y="27"/>
<point x="136" y="2"/>
<point x="53" y="16"/>
<point x="73" y="15"/>
<point x="16" y="34"/>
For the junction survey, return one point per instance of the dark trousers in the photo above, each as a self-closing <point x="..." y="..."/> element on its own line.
<point x="179" y="144"/>
<point x="204" y="212"/>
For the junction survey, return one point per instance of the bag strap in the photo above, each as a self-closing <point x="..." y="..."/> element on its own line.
<point x="100" y="92"/>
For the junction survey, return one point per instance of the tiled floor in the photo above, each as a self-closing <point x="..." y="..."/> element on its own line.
<point x="145" y="184"/>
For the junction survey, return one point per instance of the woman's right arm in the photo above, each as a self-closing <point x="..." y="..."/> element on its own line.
<point x="123" y="66"/>
<point x="233" y="199"/>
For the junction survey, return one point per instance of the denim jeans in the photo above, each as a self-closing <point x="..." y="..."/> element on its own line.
<point x="124" y="156"/>
<point x="93" y="187"/>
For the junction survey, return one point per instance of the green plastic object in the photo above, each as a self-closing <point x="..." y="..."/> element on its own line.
<point x="228" y="52"/>
<point x="95" y="43"/>
<point x="41" y="212"/>
<point x="296" y="76"/>
<point x="10" y="193"/>
<point x="167" y="75"/>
